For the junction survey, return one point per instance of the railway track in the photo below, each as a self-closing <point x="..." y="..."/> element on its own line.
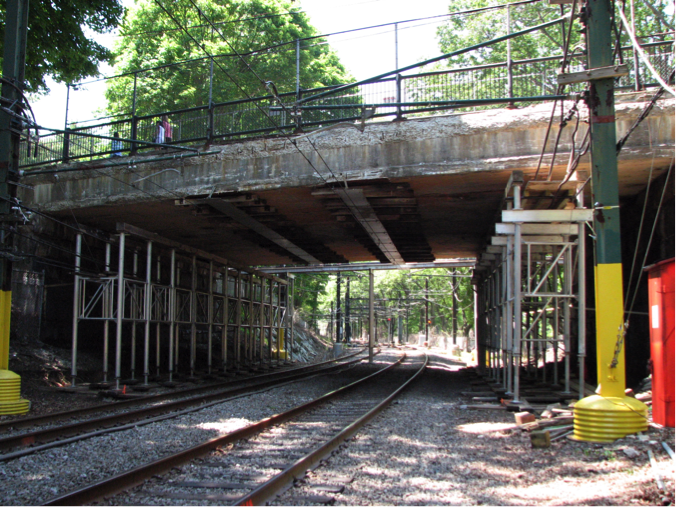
<point x="250" y="465"/>
<point x="150" y="409"/>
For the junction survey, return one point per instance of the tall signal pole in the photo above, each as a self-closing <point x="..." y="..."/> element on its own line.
<point x="14" y="59"/>
<point x="609" y="414"/>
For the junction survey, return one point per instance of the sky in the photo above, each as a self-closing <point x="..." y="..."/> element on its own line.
<point x="364" y="54"/>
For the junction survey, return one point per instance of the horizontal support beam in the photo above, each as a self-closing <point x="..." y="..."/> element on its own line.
<point x="498" y="241"/>
<point x="248" y="221"/>
<point x="547" y="215"/>
<point x="169" y="243"/>
<point x="533" y="229"/>
<point x="593" y="74"/>
<point x="365" y="266"/>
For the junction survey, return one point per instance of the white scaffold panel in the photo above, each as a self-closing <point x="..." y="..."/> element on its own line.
<point x="547" y="215"/>
<point x="534" y="229"/>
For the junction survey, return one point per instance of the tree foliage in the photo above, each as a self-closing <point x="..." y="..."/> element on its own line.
<point x="57" y="45"/>
<point x="396" y="293"/>
<point x="151" y="38"/>
<point x="652" y="17"/>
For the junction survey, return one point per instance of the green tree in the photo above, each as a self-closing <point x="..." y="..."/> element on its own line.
<point x="57" y="45"/>
<point x="652" y="17"/>
<point x="151" y="38"/>
<point x="399" y="293"/>
<point x="308" y="290"/>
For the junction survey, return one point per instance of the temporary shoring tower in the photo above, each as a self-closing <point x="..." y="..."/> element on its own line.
<point x="534" y="271"/>
<point x="16" y="22"/>
<point x="531" y="288"/>
<point x="181" y="294"/>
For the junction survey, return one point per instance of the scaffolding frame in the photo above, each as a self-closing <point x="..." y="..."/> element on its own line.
<point x="187" y="291"/>
<point x="530" y="286"/>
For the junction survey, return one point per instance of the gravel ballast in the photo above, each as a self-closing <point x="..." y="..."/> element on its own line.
<point x="425" y="449"/>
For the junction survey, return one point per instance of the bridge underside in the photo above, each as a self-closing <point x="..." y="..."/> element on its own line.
<point x="413" y="191"/>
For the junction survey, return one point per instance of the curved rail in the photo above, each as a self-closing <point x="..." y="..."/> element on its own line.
<point x="138" y="475"/>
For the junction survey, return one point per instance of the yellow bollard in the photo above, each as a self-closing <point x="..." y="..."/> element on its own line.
<point x="282" y="352"/>
<point x="609" y="414"/>
<point x="10" y="383"/>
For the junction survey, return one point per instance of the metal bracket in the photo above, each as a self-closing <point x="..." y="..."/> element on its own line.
<point x="593" y="74"/>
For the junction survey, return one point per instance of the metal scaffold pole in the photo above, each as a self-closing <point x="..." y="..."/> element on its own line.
<point x="372" y="317"/>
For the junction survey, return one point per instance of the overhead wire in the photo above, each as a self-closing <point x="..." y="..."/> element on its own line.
<point x="270" y="86"/>
<point x="318" y="36"/>
<point x="652" y="234"/>
<point x="641" y="52"/>
<point x="560" y="88"/>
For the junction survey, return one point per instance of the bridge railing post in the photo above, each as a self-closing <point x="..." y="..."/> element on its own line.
<point x="66" y="146"/>
<point x="398" y="82"/>
<point x="134" y="134"/>
<point x="210" y="126"/>
<point x="298" y="112"/>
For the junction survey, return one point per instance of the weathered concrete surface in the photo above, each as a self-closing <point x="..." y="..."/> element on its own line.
<point x="456" y="165"/>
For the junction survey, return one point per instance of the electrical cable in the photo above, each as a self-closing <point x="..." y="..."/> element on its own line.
<point x="274" y="46"/>
<point x="641" y="53"/>
<point x="644" y="114"/>
<point x="270" y="86"/>
<point x="650" y="239"/>
<point x="640" y="229"/>
<point x="560" y="88"/>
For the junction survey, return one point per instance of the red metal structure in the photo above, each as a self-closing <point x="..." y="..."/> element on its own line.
<point x="661" y="298"/>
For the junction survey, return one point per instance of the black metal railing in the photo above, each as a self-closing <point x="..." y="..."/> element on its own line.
<point x="462" y="89"/>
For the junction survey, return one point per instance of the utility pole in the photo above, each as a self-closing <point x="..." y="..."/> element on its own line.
<point x="610" y="414"/>
<point x="13" y="68"/>
<point x="427" y="311"/>
<point x="348" y="326"/>
<point x="454" y="286"/>
<point x="339" y="322"/>
<point x="372" y="317"/>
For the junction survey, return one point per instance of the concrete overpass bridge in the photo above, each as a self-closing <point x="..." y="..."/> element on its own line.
<point x="413" y="191"/>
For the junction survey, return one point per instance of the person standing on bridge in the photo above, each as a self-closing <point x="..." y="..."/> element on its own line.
<point x="159" y="133"/>
<point x="167" y="129"/>
<point x="116" y="145"/>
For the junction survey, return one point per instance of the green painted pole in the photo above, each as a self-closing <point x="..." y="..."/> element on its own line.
<point x="14" y="58"/>
<point x="609" y="414"/>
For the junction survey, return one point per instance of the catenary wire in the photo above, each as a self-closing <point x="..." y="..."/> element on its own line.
<point x="293" y="142"/>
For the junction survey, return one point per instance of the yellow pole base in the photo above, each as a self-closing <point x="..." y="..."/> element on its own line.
<point x="10" y="394"/>
<point x="282" y="354"/>
<point x="605" y="419"/>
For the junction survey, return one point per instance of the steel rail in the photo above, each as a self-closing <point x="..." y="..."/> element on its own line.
<point x="298" y="469"/>
<point x="199" y="390"/>
<point x="138" y="475"/>
<point x="82" y="430"/>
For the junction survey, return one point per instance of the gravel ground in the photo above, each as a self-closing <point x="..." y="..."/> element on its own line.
<point x="423" y="450"/>
<point x="426" y="450"/>
<point x="33" y="479"/>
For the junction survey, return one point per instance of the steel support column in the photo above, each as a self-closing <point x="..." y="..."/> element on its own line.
<point x="76" y="307"/>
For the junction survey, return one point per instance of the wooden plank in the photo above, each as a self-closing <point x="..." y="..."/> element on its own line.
<point x="192" y="496"/>
<point x="311" y="500"/>
<point x="215" y="484"/>
<point x="328" y="488"/>
<point x="549" y="215"/>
